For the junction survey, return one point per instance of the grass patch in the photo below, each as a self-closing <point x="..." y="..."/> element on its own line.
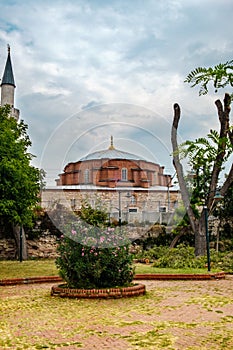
<point x="29" y="268"/>
<point x="144" y="268"/>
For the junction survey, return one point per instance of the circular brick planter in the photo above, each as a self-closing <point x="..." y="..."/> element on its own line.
<point x="64" y="292"/>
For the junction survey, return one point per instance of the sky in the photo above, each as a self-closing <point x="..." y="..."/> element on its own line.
<point x="89" y="69"/>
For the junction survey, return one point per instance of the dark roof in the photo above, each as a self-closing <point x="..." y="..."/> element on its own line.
<point x="8" y="77"/>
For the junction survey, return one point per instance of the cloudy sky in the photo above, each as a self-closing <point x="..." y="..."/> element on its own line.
<point x="89" y="69"/>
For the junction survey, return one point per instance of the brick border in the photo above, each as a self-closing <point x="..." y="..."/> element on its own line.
<point x="187" y="276"/>
<point x="106" y="293"/>
<point x="151" y="276"/>
<point x="29" y="280"/>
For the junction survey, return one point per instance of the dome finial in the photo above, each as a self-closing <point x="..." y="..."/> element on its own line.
<point x="111" y="145"/>
<point x="8" y="48"/>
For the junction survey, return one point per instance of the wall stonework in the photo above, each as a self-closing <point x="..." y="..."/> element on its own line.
<point x="135" y="205"/>
<point x="46" y="245"/>
<point x="7" y="249"/>
<point x="43" y="247"/>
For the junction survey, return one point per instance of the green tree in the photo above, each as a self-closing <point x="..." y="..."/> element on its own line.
<point x="202" y="154"/>
<point x="207" y="159"/>
<point x="19" y="180"/>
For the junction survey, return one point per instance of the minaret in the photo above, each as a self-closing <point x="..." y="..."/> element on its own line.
<point x="8" y="87"/>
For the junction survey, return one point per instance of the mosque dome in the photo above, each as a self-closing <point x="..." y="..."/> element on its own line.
<point x="110" y="153"/>
<point x="113" y="168"/>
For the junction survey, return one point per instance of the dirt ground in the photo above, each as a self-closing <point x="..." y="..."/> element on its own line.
<point x="174" y="315"/>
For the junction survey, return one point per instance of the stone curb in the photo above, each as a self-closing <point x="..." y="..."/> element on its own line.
<point x="96" y="293"/>
<point x="152" y="276"/>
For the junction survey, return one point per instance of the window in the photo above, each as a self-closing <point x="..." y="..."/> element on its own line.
<point x="133" y="210"/>
<point x="124" y="174"/>
<point x="155" y="178"/>
<point x="86" y="176"/>
<point x="132" y="200"/>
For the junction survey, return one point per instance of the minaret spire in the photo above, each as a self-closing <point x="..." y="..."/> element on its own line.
<point x="8" y="86"/>
<point x="111" y="145"/>
<point x="8" y="76"/>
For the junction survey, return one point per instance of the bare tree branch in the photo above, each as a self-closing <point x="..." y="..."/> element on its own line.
<point x="228" y="182"/>
<point x="179" y="168"/>
<point x="223" y="114"/>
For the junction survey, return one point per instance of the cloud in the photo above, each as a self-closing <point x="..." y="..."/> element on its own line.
<point x="69" y="57"/>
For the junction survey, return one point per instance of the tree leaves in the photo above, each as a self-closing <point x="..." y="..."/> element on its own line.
<point x="19" y="181"/>
<point x="221" y="76"/>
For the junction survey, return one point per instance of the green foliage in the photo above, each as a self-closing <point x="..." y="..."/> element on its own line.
<point x="19" y="181"/>
<point x="202" y="154"/>
<point x="227" y="262"/>
<point x="184" y="257"/>
<point x="180" y="257"/>
<point x="154" y="253"/>
<point x="93" y="257"/>
<point x="94" y="216"/>
<point x="204" y="150"/>
<point x="221" y="76"/>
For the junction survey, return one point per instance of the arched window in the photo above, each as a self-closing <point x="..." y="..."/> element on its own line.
<point x="86" y="176"/>
<point x="124" y="174"/>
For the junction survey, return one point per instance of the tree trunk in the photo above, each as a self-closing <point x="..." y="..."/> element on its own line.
<point x="223" y="115"/>
<point x="181" y="180"/>
<point x="21" y="243"/>
<point x="200" y="237"/>
<point x="175" y="240"/>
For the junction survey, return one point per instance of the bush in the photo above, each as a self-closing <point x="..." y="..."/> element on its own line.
<point x="94" y="257"/>
<point x="180" y="257"/>
<point x="227" y="262"/>
<point x="183" y="256"/>
<point x="152" y="254"/>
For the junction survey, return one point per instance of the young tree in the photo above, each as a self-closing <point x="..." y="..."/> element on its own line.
<point x="96" y="216"/>
<point x="202" y="159"/>
<point x="19" y="181"/>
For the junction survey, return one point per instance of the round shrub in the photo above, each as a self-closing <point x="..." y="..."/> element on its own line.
<point x="94" y="257"/>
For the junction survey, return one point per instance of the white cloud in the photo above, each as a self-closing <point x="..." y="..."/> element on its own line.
<point x="70" y="54"/>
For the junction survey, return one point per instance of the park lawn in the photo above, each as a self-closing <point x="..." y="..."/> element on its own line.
<point x="144" y="268"/>
<point x="47" y="267"/>
<point x="29" y="268"/>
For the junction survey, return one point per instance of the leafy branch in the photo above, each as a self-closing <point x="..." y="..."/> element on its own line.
<point x="221" y="75"/>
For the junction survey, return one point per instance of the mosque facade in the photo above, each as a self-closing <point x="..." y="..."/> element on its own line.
<point x="128" y="187"/>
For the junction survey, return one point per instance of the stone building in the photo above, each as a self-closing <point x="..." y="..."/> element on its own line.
<point x="130" y="188"/>
<point x="113" y="168"/>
